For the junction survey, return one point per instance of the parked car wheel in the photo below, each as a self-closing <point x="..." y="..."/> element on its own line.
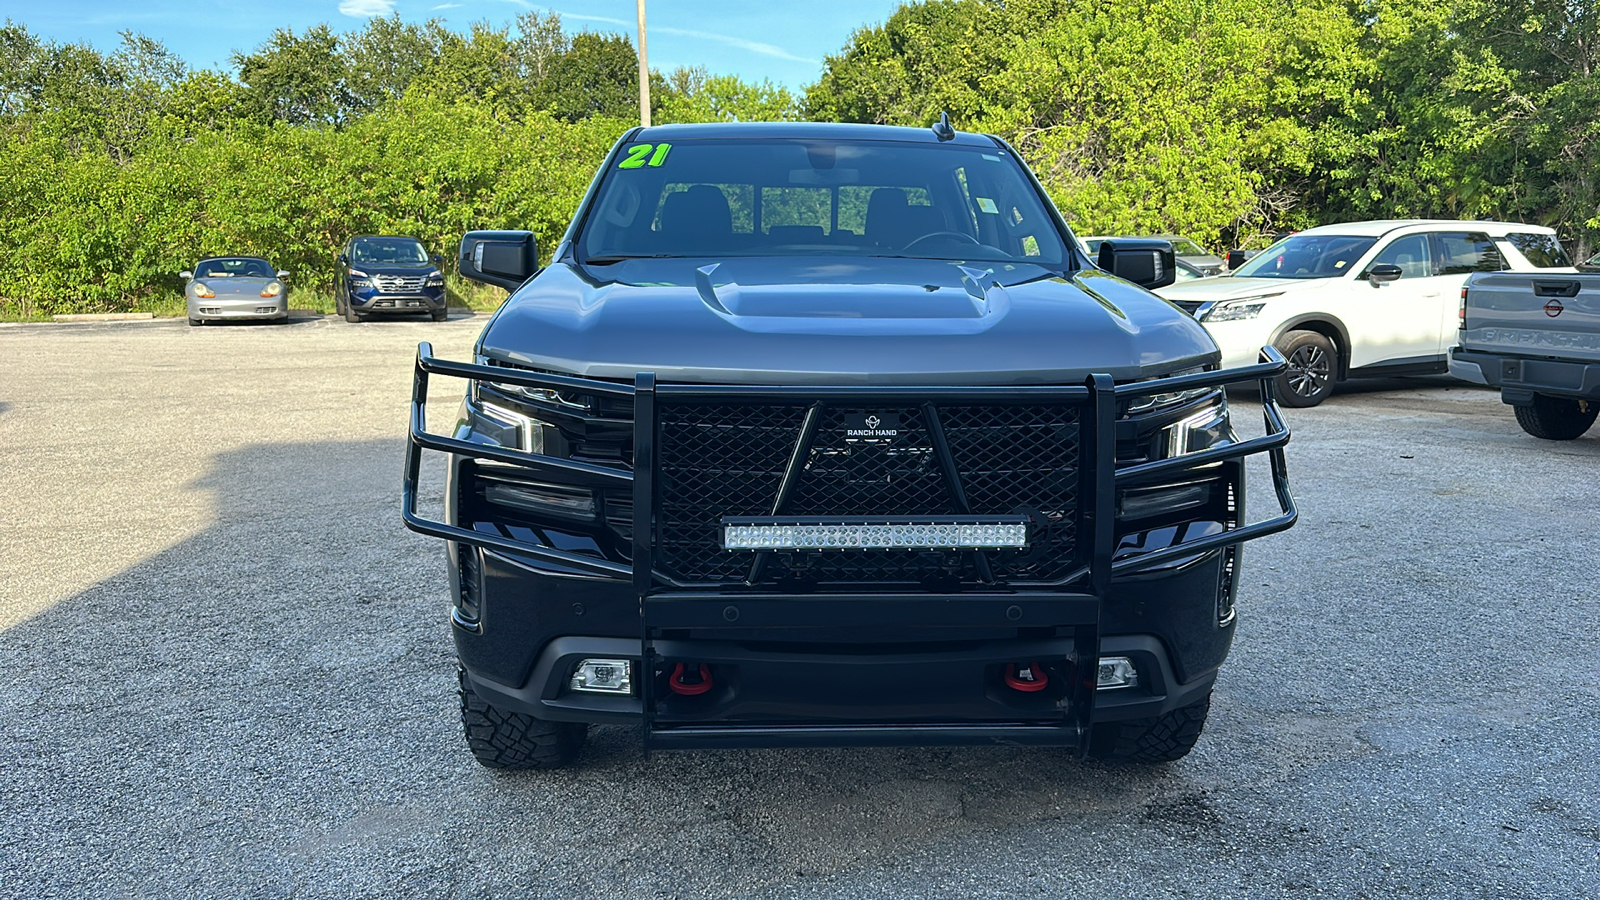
<point x="439" y="315"/>
<point x="511" y="740"/>
<point x="196" y="322"/>
<point x="1313" y="363"/>
<point x="350" y="314"/>
<point x="1557" y="418"/>
<point x="1154" y="740"/>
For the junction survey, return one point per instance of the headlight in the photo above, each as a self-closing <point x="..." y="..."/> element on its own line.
<point x="357" y="273"/>
<point x="272" y="290"/>
<point x="1150" y="402"/>
<point x="1236" y="310"/>
<point x="203" y="292"/>
<point x="1207" y="427"/>
<point x="436" y="279"/>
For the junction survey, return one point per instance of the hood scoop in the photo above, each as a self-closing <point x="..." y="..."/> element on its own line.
<point x="972" y="300"/>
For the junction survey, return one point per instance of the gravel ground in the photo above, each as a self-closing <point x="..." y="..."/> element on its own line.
<point x="225" y="671"/>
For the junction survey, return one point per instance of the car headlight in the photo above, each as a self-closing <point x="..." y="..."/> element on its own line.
<point x="1150" y="402"/>
<point x="272" y="290"/>
<point x="1203" y="429"/>
<point x="436" y="279"/>
<point x="1236" y="310"/>
<point x="203" y="292"/>
<point x="359" y="278"/>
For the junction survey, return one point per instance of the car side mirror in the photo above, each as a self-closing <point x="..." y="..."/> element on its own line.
<point x="1383" y="272"/>
<point x="502" y="258"/>
<point x="437" y="260"/>
<point x="186" y="276"/>
<point x="282" y="275"/>
<point x="1237" y="258"/>
<point x="344" y="260"/>
<point x="1148" y="262"/>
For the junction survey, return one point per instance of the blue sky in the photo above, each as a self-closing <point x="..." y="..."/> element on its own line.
<point x="754" y="39"/>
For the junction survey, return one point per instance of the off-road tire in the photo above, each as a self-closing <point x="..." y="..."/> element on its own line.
<point x="1158" y="739"/>
<point x="512" y="740"/>
<point x="439" y="315"/>
<point x="1313" y="368"/>
<point x="1557" y="418"/>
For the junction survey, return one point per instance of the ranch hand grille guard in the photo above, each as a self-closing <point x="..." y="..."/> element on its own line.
<point x="703" y="453"/>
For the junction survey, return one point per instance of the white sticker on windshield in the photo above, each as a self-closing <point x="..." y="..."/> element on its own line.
<point x="987" y="205"/>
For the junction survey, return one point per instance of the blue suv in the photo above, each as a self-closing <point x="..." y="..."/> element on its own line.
<point x="389" y="275"/>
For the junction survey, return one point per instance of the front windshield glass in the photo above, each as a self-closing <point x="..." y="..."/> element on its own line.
<point x="242" y="267"/>
<point x="388" y="251"/>
<point x="1307" y="256"/>
<point x="741" y="198"/>
<point x="1185" y="247"/>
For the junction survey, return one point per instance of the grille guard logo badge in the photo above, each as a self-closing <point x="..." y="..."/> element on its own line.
<point x="863" y="426"/>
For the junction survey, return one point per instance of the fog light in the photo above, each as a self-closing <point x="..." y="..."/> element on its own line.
<point x="1116" y="672"/>
<point x="603" y="676"/>
<point x="548" y="499"/>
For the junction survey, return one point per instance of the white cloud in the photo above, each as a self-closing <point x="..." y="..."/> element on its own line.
<point x="753" y="46"/>
<point x="366" y="9"/>
<point x="445" y="6"/>
<point x="763" y="49"/>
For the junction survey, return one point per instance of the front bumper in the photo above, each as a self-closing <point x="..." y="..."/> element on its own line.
<point x="374" y="300"/>
<point x="239" y="308"/>
<point x="1520" y="377"/>
<point x="847" y="667"/>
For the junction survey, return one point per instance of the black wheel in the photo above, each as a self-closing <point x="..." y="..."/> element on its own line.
<point x="1557" y="418"/>
<point x="196" y="322"/>
<point x="350" y="314"/>
<point x="1151" y="740"/>
<point x="439" y="315"/>
<point x="1313" y="363"/>
<point x="511" y="740"/>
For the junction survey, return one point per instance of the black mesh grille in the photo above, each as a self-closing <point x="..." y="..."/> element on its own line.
<point x="719" y="460"/>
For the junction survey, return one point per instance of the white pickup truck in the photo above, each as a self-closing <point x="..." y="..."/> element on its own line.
<point x="1537" y="339"/>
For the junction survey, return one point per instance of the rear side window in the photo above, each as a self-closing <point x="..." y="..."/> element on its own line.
<point x="1462" y="252"/>
<point x="1543" y="251"/>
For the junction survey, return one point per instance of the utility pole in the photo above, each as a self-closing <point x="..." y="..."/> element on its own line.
<point x="644" y="74"/>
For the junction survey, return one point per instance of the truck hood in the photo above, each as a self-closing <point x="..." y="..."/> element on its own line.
<point x="1228" y="287"/>
<point x="841" y="321"/>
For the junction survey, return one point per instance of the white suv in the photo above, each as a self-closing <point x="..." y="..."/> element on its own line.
<point x="1359" y="299"/>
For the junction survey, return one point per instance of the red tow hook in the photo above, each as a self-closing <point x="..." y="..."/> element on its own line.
<point x="1030" y="677"/>
<point x="693" y="683"/>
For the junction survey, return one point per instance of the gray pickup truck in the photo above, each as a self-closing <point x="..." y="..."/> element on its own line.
<point x="1537" y="339"/>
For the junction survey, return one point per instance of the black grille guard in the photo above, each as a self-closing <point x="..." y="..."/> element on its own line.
<point x="1099" y="397"/>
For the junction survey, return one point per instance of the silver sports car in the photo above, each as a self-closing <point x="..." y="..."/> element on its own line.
<point x="236" y="287"/>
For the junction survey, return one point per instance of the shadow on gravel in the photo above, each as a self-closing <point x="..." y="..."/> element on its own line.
<point x="268" y="707"/>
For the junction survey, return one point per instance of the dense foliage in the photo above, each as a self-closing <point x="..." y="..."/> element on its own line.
<point x="1226" y="120"/>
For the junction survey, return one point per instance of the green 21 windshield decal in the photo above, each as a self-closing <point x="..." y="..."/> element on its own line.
<point x="640" y="155"/>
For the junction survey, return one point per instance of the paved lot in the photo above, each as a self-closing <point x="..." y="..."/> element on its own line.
<point x="225" y="671"/>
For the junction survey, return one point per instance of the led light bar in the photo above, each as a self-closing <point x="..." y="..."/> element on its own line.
<point x="1007" y="533"/>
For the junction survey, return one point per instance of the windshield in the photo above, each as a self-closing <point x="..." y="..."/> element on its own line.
<point x="1185" y="247"/>
<point x="243" y="267"/>
<point x="818" y="198"/>
<point x="1307" y="256"/>
<point x="388" y="251"/>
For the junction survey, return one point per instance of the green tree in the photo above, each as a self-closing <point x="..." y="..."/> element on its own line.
<point x="297" y="79"/>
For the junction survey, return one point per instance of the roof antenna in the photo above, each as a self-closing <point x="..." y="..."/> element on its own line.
<point x="942" y="129"/>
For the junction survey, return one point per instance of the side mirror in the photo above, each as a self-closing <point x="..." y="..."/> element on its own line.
<point x="282" y="274"/>
<point x="1237" y="258"/>
<point x="1147" y="262"/>
<point x="344" y="260"/>
<point x="437" y="259"/>
<point x="502" y="258"/>
<point x="1383" y="272"/>
<point x="186" y="276"/>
